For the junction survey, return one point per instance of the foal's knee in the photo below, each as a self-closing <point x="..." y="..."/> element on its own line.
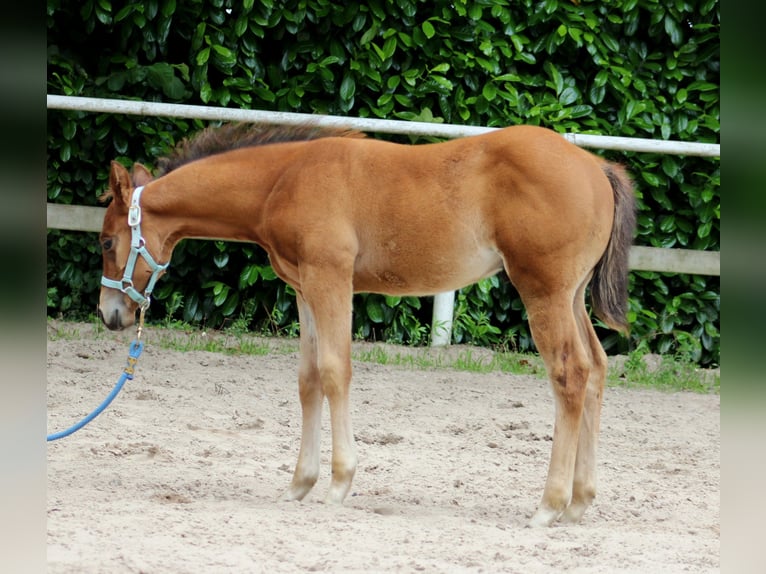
<point x="334" y="374"/>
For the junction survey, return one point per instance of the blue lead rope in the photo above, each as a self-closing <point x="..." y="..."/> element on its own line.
<point x="135" y="351"/>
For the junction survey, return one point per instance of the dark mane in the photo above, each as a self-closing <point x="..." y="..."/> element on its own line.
<point x="214" y="140"/>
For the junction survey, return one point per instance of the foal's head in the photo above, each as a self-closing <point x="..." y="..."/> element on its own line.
<point x="126" y="240"/>
<point x="135" y="251"/>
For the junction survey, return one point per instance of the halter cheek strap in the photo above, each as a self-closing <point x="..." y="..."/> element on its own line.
<point x="137" y="247"/>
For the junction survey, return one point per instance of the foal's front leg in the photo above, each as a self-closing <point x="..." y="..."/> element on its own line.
<point x="311" y="396"/>
<point x="328" y="293"/>
<point x="334" y="366"/>
<point x="325" y="313"/>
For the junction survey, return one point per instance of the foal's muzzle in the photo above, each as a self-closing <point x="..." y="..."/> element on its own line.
<point x="113" y="322"/>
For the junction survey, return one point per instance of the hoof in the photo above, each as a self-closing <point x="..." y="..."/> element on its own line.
<point x="544" y="517"/>
<point x="574" y="513"/>
<point x="294" y="494"/>
<point x="336" y="495"/>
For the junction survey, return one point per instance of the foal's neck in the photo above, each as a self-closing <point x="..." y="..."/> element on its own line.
<point x="219" y="197"/>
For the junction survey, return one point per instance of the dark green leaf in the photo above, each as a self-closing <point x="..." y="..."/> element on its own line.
<point x="428" y="29"/>
<point x="569" y="96"/>
<point x="221" y="259"/>
<point x="203" y="56"/>
<point x="670" y="166"/>
<point x="673" y="29"/>
<point x="347" y="87"/>
<point x="374" y="310"/>
<point x="489" y="91"/>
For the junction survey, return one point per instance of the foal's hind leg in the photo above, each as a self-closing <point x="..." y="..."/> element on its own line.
<point x="584" y="485"/>
<point x="310" y="390"/>
<point x="557" y="337"/>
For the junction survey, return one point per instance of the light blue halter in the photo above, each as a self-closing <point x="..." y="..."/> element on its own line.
<point x="137" y="247"/>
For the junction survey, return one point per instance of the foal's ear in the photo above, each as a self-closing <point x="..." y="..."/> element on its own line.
<point x="140" y="174"/>
<point x="120" y="185"/>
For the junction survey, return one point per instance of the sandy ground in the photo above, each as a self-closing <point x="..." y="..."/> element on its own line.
<point x="182" y="472"/>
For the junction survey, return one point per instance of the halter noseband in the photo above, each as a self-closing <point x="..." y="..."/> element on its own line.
<point x="137" y="247"/>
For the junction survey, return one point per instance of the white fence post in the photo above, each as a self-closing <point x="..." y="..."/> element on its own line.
<point x="441" y="322"/>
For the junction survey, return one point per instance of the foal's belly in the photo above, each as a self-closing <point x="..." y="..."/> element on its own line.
<point x="424" y="273"/>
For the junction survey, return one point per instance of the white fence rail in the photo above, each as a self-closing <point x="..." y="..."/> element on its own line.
<point x="138" y="108"/>
<point x="85" y="218"/>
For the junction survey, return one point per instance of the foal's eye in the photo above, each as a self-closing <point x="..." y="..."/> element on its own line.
<point x="107" y="244"/>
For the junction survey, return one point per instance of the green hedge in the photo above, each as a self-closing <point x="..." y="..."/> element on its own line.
<point x="640" y="68"/>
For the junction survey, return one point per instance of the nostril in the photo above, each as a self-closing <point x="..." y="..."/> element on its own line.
<point x="115" y="324"/>
<point x="113" y="321"/>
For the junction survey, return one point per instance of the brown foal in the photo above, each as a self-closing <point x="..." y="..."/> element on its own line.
<point x="339" y="213"/>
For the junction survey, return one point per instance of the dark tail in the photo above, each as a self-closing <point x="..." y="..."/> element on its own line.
<point x="609" y="288"/>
